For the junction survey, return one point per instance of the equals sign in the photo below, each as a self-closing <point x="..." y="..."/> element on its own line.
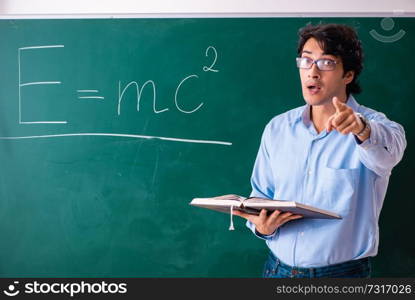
<point x="89" y="94"/>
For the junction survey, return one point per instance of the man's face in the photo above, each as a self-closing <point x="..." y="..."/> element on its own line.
<point x="319" y="87"/>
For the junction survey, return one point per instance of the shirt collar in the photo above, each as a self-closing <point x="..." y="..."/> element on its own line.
<point x="305" y="115"/>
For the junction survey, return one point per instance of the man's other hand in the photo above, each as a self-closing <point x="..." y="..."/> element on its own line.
<point x="265" y="224"/>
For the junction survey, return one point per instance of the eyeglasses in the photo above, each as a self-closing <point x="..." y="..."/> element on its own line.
<point x="323" y="64"/>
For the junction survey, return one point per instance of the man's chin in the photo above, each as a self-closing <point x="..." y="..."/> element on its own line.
<point x="316" y="101"/>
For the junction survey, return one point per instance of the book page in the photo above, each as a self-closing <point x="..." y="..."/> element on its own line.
<point x="231" y="197"/>
<point x="263" y="200"/>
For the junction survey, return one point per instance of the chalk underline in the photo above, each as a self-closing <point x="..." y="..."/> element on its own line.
<point x="116" y="135"/>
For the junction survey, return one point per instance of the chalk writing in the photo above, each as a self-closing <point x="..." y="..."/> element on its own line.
<point x="207" y="69"/>
<point x="19" y="53"/>
<point x="89" y="92"/>
<point x="177" y="91"/>
<point x="94" y="94"/>
<point x="138" y="93"/>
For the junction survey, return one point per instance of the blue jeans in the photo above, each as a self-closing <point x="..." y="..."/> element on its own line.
<point x="274" y="268"/>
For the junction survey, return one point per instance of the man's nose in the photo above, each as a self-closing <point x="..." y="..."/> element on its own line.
<point x="314" y="72"/>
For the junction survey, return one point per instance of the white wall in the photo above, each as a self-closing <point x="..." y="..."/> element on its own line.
<point x="115" y="7"/>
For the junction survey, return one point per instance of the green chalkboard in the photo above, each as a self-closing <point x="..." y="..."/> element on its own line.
<point x="109" y="127"/>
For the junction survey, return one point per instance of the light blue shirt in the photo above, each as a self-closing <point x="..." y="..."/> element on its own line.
<point x="331" y="171"/>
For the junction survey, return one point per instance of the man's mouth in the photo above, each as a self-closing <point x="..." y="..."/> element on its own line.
<point x="313" y="88"/>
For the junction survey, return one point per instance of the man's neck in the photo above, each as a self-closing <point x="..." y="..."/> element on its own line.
<point x="319" y="114"/>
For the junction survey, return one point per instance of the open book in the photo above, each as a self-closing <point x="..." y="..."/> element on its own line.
<point x="254" y="206"/>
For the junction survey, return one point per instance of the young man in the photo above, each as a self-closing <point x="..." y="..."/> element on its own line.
<point x="331" y="153"/>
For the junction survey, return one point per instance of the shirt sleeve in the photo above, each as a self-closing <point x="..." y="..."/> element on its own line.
<point x="385" y="146"/>
<point x="262" y="179"/>
<point x="251" y="226"/>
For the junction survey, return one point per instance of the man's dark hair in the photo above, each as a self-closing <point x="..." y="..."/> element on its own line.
<point x="338" y="40"/>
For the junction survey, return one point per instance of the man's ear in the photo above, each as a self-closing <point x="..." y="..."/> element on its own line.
<point x="348" y="77"/>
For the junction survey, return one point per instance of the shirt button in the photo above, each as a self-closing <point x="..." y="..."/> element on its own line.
<point x="302" y="233"/>
<point x="309" y="172"/>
